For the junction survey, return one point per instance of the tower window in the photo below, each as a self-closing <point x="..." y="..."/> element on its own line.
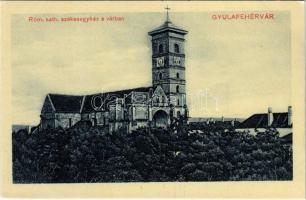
<point x="177" y="88"/>
<point x="176" y="48"/>
<point x="160" y="48"/>
<point x="177" y="75"/>
<point x="154" y="49"/>
<point x="160" y="76"/>
<point x="178" y="102"/>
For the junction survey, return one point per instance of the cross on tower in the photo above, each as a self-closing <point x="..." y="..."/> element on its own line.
<point x="167" y="8"/>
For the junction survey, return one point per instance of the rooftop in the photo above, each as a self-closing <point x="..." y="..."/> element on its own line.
<point x="168" y="26"/>
<point x="280" y="120"/>
<point x="77" y="104"/>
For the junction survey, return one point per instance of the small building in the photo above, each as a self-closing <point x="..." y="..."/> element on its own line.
<point x="282" y="122"/>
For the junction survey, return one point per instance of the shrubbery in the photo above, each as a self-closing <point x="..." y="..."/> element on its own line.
<point x="82" y="154"/>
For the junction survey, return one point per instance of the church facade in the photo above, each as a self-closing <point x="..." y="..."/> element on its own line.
<point x="156" y="106"/>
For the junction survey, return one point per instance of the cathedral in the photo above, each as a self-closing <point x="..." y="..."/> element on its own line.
<point x="155" y="106"/>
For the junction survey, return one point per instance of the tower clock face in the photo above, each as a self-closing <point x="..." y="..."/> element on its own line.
<point x="160" y="62"/>
<point x="177" y="61"/>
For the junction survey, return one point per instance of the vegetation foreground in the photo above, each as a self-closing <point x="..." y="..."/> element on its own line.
<point x="87" y="154"/>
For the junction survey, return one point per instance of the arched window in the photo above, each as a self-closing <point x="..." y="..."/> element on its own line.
<point x="160" y="48"/>
<point x="178" y="113"/>
<point x="157" y="100"/>
<point x="160" y="76"/>
<point x="178" y="102"/>
<point x="177" y="88"/>
<point x="163" y="99"/>
<point x="177" y="75"/>
<point x="176" y="48"/>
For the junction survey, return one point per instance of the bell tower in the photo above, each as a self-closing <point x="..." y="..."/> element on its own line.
<point x="168" y="62"/>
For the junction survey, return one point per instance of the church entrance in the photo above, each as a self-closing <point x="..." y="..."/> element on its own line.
<point x="160" y="119"/>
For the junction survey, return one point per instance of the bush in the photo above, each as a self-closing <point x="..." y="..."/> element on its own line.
<point x="89" y="154"/>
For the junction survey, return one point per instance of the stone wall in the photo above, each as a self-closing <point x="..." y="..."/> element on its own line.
<point x="45" y="123"/>
<point x="141" y="112"/>
<point x="66" y="120"/>
<point x="102" y="118"/>
<point x="174" y="71"/>
<point x="178" y="98"/>
<point x="47" y="120"/>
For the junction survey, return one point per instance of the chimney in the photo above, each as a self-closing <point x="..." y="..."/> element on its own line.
<point x="289" y="115"/>
<point x="270" y="116"/>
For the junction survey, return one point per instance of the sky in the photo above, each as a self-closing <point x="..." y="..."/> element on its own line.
<point x="234" y="68"/>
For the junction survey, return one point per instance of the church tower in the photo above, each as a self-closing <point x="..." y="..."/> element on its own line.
<point x="168" y="62"/>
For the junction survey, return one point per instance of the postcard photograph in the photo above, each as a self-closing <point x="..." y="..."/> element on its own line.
<point x="163" y="96"/>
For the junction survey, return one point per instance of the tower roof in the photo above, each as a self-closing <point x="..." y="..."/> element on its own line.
<point x="168" y="26"/>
